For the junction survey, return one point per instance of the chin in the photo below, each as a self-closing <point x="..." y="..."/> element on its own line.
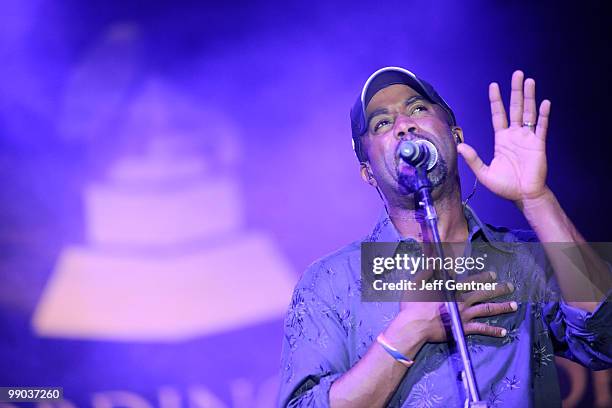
<point x="437" y="177"/>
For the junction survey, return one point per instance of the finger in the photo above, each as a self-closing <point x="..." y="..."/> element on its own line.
<point x="484" y="329"/>
<point x="489" y="309"/>
<point x="542" y="127"/>
<point x="516" y="99"/>
<point x="529" y="108"/>
<point x="477" y="296"/>
<point x="498" y="112"/>
<point x="473" y="161"/>
<point x="483" y="277"/>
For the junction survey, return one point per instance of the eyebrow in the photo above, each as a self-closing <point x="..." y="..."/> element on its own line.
<point x="382" y="111"/>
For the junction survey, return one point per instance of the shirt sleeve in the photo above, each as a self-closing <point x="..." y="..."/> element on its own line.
<point x="581" y="336"/>
<point x="314" y="352"/>
<point x="578" y="335"/>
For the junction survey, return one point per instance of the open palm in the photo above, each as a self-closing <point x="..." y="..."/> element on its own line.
<point x="518" y="168"/>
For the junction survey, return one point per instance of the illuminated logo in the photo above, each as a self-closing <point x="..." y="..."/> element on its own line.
<point x="167" y="255"/>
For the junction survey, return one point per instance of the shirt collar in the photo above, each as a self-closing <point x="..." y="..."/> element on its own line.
<point x="385" y="231"/>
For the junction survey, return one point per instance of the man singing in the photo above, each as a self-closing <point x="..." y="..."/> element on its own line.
<point x="341" y="351"/>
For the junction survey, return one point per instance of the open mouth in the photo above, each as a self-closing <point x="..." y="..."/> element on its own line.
<point x="403" y="169"/>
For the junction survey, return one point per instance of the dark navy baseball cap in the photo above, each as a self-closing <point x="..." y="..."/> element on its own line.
<point x="383" y="78"/>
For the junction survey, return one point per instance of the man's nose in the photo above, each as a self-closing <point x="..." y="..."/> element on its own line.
<point x="405" y="126"/>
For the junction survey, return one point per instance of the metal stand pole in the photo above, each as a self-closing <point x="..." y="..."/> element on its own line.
<point x="424" y="202"/>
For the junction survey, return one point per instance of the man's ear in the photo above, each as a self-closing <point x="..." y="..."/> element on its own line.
<point x="457" y="134"/>
<point x="366" y="174"/>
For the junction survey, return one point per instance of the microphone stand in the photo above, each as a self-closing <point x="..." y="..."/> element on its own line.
<point x="424" y="202"/>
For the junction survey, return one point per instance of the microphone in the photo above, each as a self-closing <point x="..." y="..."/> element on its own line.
<point x="418" y="153"/>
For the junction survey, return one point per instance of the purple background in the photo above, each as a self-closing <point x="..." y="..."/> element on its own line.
<point x="284" y="75"/>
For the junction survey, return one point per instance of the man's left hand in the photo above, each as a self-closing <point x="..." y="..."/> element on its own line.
<point x="518" y="169"/>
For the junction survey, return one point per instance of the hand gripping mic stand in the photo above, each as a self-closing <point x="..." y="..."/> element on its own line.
<point x="424" y="202"/>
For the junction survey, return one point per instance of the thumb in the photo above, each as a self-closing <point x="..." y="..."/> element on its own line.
<point x="473" y="160"/>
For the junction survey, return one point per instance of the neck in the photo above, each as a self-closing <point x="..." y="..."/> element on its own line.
<point x="452" y="224"/>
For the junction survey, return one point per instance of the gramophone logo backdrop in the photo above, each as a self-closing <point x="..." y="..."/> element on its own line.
<point x="168" y="298"/>
<point x="168" y="170"/>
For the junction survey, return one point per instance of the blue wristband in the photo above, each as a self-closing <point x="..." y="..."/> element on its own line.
<point x="393" y="351"/>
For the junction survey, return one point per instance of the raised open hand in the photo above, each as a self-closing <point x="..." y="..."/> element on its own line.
<point x="518" y="168"/>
